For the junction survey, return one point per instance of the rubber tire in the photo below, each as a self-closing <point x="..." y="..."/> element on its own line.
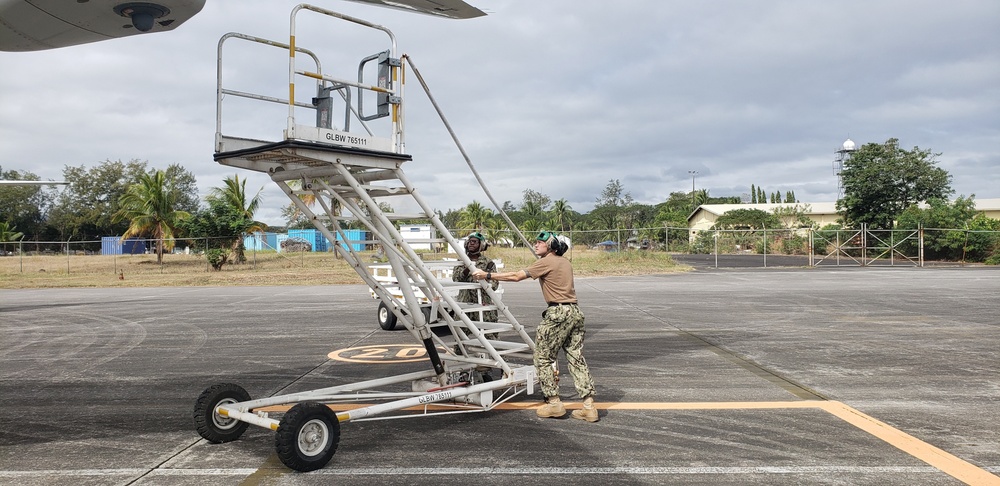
<point x="213" y="427"/>
<point x="386" y="319"/>
<point x="305" y="421"/>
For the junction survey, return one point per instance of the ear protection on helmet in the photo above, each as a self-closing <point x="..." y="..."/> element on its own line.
<point x="553" y="242"/>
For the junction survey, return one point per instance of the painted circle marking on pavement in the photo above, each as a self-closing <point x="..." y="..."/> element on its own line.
<point x="382" y="353"/>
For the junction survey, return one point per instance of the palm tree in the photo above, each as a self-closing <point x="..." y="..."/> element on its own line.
<point x="234" y="195"/>
<point x="8" y="233"/>
<point x="496" y="231"/>
<point x="700" y="197"/>
<point x="149" y="206"/>
<point x="531" y="227"/>
<point x="560" y="213"/>
<point x="474" y="217"/>
<point x="531" y="210"/>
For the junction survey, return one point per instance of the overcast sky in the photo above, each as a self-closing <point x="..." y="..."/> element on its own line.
<point x="562" y="96"/>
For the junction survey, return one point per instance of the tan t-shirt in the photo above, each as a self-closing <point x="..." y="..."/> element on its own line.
<point x="555" y="275"/>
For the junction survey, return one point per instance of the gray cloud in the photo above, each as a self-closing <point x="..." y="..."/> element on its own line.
<point x="561" y="96"/>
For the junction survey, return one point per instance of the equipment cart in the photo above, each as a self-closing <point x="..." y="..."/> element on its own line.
<point x="350" y="162"/>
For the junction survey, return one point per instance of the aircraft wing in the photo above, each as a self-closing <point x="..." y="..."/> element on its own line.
<point x="34" y="25"/>
<point x="452" y="9"/>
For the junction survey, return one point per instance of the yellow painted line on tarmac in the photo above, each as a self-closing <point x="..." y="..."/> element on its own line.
<point x="935" y="457"/>
<point x="947" y="463"/>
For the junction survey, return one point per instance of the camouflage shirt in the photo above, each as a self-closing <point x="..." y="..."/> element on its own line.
<point x="462" y="274"/>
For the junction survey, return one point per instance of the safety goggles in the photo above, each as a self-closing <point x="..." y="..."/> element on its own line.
<point x="545" y="236"/>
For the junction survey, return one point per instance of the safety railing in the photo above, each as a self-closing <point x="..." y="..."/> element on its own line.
<point x="387" y="91"/>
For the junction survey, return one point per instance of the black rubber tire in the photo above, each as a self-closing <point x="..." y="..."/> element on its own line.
<point x="386" y="319"/>
<point x="213" y="427"/>
<point x="307" y="436"/>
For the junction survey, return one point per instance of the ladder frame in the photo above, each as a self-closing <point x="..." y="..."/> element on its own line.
<point x="350" y="176"/>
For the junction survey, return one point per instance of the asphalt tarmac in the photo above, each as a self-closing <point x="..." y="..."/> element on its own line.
<point x="729" y="376"/>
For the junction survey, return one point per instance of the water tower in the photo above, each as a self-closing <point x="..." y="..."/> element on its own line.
<point x="843" y="156"/>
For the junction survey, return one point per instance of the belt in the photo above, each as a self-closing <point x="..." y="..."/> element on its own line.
<point x="553" y="304"/>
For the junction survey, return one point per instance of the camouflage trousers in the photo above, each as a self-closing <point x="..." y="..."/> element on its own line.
<point x="562" y="328"/>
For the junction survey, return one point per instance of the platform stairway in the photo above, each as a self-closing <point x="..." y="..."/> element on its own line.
<point x="348" y="184"/>
<point x="349" y="169"/>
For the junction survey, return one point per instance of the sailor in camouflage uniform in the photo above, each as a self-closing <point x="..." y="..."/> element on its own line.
<point x="561" y="326"/>
<point x="475" y="245"/>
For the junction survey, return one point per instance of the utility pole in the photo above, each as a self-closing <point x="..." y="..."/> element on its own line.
<point x="693" y="174"/>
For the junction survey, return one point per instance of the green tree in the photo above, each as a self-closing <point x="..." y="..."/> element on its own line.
<point x="561" y="215"/>
<point x="8" y="233"/>
<point x="450" y="219"/>
<point x="674" y="219"/>
<point x="496" y="231"/>
<point x="531" y="210"/>
<point x="185" y="187"/>
<point x="233" y="194"/>
<point x="948" y="237"/>
<point x="541" y="201"/>
<point x="24" y="206"/>
<point x="610" y="205"/>
<point x="882" y="180"/>
<point x="794" y="216"/>
<point x="983" y="240"/>
<point x="701" y="197"/>
<point x="221" y="225"/>
<point x="149" y="207"/>
<point x="677" y="202"/>
<point x="84" y="209"/>
<point x="747" y="219"/>
<point x="531" y="227"/>
<point x="474" y="217"/>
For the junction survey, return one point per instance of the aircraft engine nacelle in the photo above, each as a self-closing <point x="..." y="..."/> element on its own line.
<point x="35" y="25"/>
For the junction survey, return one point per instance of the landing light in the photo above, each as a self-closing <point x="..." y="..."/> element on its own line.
<point x="142" y="14"/>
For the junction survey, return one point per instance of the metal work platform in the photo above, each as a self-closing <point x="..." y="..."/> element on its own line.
<point x="349" y="177"/>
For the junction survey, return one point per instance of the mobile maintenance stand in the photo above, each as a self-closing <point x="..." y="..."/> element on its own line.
<point x="348" y="172"/>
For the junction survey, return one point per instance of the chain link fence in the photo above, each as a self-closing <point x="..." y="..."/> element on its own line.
<point x="139" y="255"/>
<point x="744" y="247"/>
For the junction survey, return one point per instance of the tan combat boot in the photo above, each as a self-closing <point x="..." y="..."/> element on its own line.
<point x="553" y="408"/>
<point x="588" y="412"/>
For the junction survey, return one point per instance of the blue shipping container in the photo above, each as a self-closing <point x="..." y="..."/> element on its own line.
<point x="261" y="242"/>
<point x="113" y="245"/>
<point x="355" y="239"/>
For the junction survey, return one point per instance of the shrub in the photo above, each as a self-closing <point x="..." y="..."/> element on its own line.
<point x="217" y="257"/>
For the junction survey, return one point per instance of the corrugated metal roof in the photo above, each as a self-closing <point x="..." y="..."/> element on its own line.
<point x="813" y="208"/>
<point x="989" y="204"/>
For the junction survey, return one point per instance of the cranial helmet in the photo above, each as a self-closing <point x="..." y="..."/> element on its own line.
<point x="558" y="244"/>
<point x="483" y="244"/>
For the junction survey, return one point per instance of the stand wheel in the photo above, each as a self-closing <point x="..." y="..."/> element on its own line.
<point x="386" y="319"/>
<point x="307" y="436"/>
<point x="214" y="427"/>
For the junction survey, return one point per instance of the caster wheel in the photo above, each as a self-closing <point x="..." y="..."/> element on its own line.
<point x="307" y="436"/>
<point x="386" y="319"/>
<point x="214" y="427"/>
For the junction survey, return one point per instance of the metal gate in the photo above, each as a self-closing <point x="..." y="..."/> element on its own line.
<point x="866" y="248"/>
